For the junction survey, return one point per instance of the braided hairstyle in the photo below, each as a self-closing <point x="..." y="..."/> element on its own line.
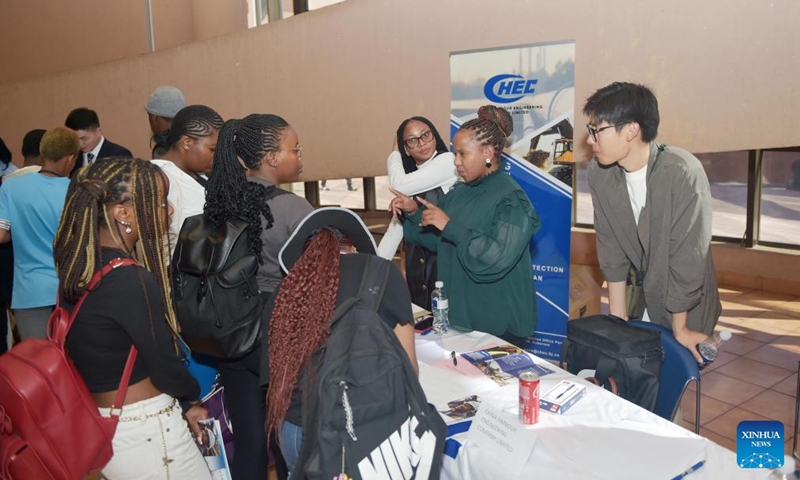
<point x="299" y="325"/>
<point x="194" y="121"/>
<point x="229" y="195"/>
<point x="95" y="188"/>
<point x="492" y="128"/>
<point x="409" y="164"/>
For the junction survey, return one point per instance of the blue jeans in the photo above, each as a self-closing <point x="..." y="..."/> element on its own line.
<point x="291" y="438"/>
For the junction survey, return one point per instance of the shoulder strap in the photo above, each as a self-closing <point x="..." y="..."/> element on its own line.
<point x="273" y="192"/>
<point x="373" y="283"/>
<point x="59" y="326"/>
<point x="370" y="291"/>
<point x="58" y="329"/>
<point x="643" y="261"/>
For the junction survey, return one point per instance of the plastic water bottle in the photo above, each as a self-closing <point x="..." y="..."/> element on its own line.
<point x="709" y="349"/>
<point x="441" y="308"/>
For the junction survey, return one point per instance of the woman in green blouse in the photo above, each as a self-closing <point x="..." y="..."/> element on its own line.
<point x="481" y="231"/>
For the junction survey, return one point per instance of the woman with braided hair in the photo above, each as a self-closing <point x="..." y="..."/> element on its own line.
<point x="112" y="205"/>
<point x="325" y="258"/>
<point x="254" y="155"/>
<point x="423" y="166"/>
<point x="190" y="143"/>
<point x="481" y="231"/>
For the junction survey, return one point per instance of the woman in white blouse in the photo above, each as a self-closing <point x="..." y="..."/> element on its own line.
<point x="420" y="165"/>
<point x="190" y="145"/>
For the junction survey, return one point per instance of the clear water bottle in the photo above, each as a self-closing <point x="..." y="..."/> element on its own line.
<point x="709" y="349"/>
<point x="441" y="308"/>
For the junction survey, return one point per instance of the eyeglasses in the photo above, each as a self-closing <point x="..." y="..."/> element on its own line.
<point x="594" y="131"/>
<point x="414" y="142"/>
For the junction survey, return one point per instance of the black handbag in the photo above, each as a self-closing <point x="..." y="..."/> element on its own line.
<point x="626" y="359"/>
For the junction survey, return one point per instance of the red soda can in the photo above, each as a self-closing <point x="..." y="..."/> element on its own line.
<point x="529" y="398"/>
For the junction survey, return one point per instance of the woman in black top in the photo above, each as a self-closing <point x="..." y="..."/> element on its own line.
<point x="111" y="205"/>
<point x="316" y="283"/>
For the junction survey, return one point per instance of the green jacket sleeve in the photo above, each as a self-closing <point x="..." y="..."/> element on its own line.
<point x="489" y="256"/>
<point x="426" y="237"/>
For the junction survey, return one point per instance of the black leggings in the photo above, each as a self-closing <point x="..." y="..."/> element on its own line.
<point x="245" y="400"/>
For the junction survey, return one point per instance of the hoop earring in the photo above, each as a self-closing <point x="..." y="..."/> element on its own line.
<point x="488" y="163"/>
<point x="127" y="226"/>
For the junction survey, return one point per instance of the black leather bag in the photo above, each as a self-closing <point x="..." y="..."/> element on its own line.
<point x="217" y="299"/>
<point x="627" y="360"/>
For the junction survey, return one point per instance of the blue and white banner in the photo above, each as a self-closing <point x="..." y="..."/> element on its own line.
<point x="535" y="83"/>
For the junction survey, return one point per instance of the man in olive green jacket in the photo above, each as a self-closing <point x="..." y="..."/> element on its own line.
<point x="652" y="210"/>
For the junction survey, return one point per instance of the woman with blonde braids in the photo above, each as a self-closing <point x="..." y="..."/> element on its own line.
<point x="111" y="205"/>
<point x="321" y="275"/>
<point x="481" y="231"/>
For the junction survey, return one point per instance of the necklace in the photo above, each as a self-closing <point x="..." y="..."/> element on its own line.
<point x="55" y="174"/>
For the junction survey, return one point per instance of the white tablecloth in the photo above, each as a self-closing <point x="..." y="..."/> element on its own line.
<point x="602" y="437"/>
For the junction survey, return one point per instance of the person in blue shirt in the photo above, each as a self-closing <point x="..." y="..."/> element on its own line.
<point x="30" y="209"/>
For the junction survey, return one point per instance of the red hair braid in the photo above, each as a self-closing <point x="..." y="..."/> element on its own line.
<point x="299" y="325"/>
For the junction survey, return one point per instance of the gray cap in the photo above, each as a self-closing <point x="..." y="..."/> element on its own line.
<point x="166" y="102"/>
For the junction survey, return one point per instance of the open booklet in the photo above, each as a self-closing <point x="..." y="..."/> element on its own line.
<point x="213" y="449"/>
<point x="460" y="409"/>
<point x="504" y="363"/>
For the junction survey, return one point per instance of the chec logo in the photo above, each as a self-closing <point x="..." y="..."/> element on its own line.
<point x="759" y="444"/>
<point x="508" y="88"/>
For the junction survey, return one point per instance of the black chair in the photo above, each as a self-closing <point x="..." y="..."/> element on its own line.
<point x="679" y="369"/>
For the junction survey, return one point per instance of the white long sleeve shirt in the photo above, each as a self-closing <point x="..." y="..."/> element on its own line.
<point x="439" y="171"/>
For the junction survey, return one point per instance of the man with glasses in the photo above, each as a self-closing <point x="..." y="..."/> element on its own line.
<point x="652" y="212"/>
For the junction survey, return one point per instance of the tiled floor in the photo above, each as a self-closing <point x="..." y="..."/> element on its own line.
<point x="755" y="377"/>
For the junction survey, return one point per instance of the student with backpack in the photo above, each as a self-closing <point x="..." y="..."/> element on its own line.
<point x="112" y="205"/>
<point x="253" y="156"/>
<point x="341" y="299"/>
<point x="188" y="148"/>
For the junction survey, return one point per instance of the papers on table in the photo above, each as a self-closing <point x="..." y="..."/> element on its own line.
<point x="418" y="311"/>
<point x="504" y="363"/>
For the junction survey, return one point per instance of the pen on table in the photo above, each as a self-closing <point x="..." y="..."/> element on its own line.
<point x="565" y="391"/>
<point x="455" y="359"/>
<point x="691" y="469"/>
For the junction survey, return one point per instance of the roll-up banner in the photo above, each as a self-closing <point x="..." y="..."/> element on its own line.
<point x="535" y="84"/>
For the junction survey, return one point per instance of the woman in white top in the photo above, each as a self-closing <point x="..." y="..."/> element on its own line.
<point x="423" y="166"/>
<point x="190" y="145"/>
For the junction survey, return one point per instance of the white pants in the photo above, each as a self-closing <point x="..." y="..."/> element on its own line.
<point x="153" y="442"/>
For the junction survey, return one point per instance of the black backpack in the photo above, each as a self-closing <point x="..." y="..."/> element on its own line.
<point x="627" y="359"/>
<point x="364" y="398"/>
<point x="217" y="300"/>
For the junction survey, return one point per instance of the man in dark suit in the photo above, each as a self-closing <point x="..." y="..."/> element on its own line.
<point x="86" y="124"/>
